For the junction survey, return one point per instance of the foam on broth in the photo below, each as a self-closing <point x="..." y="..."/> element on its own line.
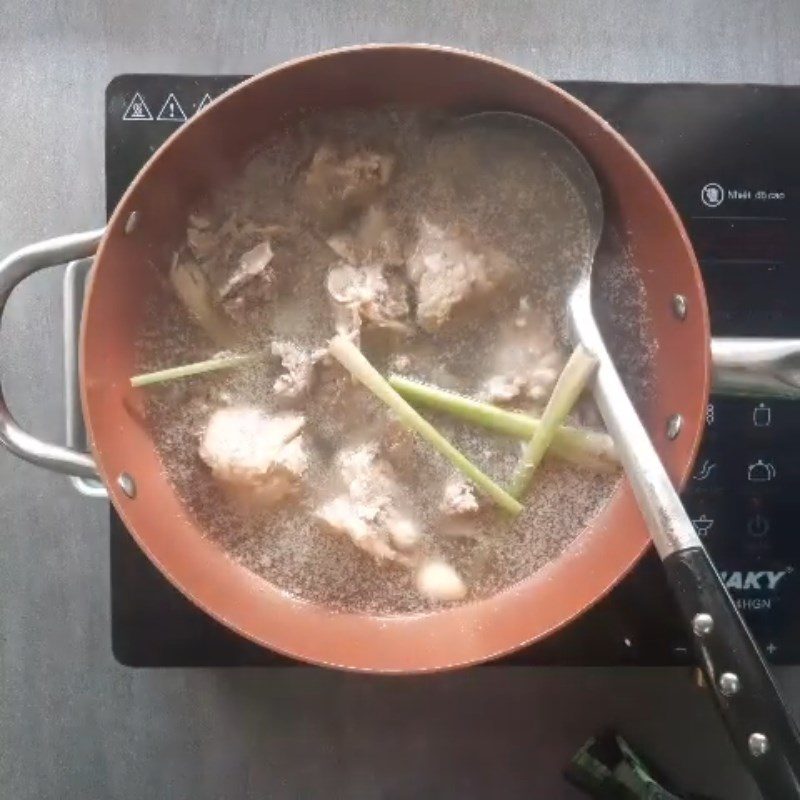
<point x="518" y="205"/>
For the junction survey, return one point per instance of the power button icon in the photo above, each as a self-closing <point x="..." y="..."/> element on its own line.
<point x="758" y="526"/>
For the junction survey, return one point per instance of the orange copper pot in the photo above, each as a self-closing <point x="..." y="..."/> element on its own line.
<point x="150" y="222"/>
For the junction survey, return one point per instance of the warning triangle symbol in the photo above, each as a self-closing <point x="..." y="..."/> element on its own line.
<point x="137" y="110"/>
<point x="171" y="111"/>
<point x="204" y="102"/>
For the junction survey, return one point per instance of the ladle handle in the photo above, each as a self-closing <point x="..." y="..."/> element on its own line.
<point x="13" y="270"/>
<point x="745" y="691"/>
<point x="746" y="694"/>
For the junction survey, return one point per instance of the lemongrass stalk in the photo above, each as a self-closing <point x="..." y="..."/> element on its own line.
<point x="198" y="368"/>
<point x="354" y="361"/>
<point x="483" y="414"/>
<point x="590" y="449"/>
<point x="572" y="381"/>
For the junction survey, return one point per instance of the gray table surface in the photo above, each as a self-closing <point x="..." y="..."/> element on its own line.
<point x="74" y="724"/>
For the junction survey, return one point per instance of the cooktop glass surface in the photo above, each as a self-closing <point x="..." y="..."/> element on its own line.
<point x="727" y="157"/>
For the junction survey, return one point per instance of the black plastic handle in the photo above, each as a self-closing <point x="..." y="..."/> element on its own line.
<point x="757" y="719"/>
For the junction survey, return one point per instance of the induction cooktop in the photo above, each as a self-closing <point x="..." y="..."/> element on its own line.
<point x="727" y="157"/>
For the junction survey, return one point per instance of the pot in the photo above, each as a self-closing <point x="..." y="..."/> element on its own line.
<point x="149" y="224"/>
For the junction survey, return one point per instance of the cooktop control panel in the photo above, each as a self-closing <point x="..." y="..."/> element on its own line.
<point x="727" y="156"/>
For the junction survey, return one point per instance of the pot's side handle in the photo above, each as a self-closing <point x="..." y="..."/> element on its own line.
<point x="14" y="269"/>
<point x="74" y="293"/>
<point x="756" y="367"/>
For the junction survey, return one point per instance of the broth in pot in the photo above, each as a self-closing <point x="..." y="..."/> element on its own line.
<point x="435" y="251"/>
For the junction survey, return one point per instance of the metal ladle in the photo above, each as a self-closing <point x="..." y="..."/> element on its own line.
<point x="746" y="694"/>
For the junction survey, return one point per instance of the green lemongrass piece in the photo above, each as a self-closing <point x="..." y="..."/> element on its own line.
<point x="198" y="368"/>
<point x="354" y="361"/>
<point x="589" y="449"/>
<point x="483" y="414"/>
<point x="572" y="381"/>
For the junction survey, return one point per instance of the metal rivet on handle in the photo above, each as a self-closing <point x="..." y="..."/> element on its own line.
<point x="729" y="684"/>
<point x="132" y="222"/>
<point x="674" y="425"/>
<point x="702" y="624"/>
<point x="758" y="744"/>
<point x="679" y="306"/>
<point x="127" y="484"/>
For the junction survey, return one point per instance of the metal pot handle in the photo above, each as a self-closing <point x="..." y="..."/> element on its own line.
<point x="756" y="367"/>
<point x="14" y="269"/>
